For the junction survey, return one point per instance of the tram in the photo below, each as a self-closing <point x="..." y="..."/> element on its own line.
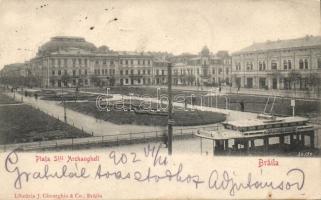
<point x="243" y="133"/>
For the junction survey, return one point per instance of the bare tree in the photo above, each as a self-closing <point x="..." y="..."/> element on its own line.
<point x="65" y="79"/>
<point x="315" y="81"/>
<point x="95" y="79"/>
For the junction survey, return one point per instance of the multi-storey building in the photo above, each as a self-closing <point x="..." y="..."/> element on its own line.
<point x="203" y="69"/>
<point x="14" y="70"/>
<point x="135" y="68"/>
<point x="74" y="62"/>
<point x="282" y="64"/>
<point x="14" y="73"/>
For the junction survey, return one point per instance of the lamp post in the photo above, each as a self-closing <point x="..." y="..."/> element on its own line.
<point x="63" y="101"/>
<point x="157" y="96"/>
<point x="170" y="107"/>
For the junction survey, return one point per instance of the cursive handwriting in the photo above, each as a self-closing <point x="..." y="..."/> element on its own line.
<point x="159" y="170"/>
<point x="227" y="182"/>
<point x="11" y="166"/>
<point x="154" y="153"/>
<point x="149" y="176"/>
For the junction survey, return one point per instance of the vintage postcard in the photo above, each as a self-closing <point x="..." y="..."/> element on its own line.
<point x="151" y="99"/>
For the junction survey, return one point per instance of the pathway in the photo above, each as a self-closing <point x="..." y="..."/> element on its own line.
<point x="230" y="114"/>
<point x="82" y="121"/>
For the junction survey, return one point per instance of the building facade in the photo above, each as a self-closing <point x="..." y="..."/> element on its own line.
<point x="284" y="64"/>
<point x="74" y="62"/>
<point x="206" y="69"/>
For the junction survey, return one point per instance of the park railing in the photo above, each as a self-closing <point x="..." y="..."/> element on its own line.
<point x="106" y="140"/>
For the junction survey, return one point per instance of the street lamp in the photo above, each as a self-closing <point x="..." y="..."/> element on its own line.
<point x="170" y="121"/>
<point x="157" y="96"/>
<point x="63" y="101"/>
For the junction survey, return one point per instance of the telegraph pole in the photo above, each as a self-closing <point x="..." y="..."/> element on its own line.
<point x="170" y="107"/>
<point x="63" y="101"/>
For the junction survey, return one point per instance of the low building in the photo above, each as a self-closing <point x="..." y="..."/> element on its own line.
<point x="14" y="70"/>
<point x="14" y="74"/>
<point x="293" y="64"/>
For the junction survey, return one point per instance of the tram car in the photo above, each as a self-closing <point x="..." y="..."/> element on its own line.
<point x="263" y="127"/>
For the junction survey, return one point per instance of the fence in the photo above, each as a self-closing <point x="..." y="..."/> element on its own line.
<point x="105" y="140"/>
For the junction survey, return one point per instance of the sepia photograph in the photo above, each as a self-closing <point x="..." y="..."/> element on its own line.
<point x="151" y="99"/>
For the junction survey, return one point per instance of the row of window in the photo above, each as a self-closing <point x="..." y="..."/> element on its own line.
<point x="138" y="62"/>
<point x="84" y="62"/>
<point x="139" y="72"/>
<point x="104" y="71"/>
<point x="287" y="65"/>
<point x="105" y="62"/>
<point x="190" y="71"/>
<point x="74" y="73"/>
<point x="185" y="71"/>
<point x="139" y="81"/>
<point x="64" y="62"/>
<point x="206" y="62"/>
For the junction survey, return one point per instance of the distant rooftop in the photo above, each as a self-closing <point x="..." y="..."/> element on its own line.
<point x="68" y="38"/>
<point x="307" y="41"/>
<point x="65" y="42"/>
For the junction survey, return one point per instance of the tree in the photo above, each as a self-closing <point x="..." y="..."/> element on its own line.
<point x="32" y="81"/>
<point x="315" y="81"/>
<point x="94" y="79"/>
<point x="190" y="79"/>
<point x="112" y="81"/>
<point x="294" y="77"/>
<point x="65" y="79"/>
<point x="276" y="75"/>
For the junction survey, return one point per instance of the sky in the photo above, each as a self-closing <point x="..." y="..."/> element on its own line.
<point x="174" y="26"/>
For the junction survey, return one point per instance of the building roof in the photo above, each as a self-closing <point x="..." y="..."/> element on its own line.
<point x="63" y="42"/>
<point x="72" y="51"/>
<point x="13" y="66"/>
<point x="133" y="54"/>
<point x="205" y="51"/>
<point x="307" y="41"/>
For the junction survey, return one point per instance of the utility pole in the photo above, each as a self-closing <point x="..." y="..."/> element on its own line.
<point x="63" y="101"/>
<point x="170" y="107"/>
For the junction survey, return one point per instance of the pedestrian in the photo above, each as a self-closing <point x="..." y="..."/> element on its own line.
<point x="36" y="96"/>
<point x="242" y="106"/>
